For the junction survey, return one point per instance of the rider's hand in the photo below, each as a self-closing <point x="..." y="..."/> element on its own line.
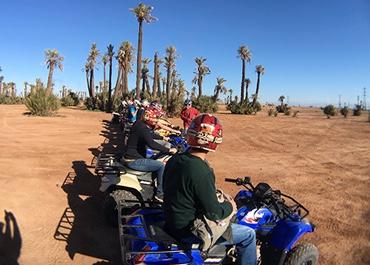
<point x="173" y="151"/>
<point x="233" y="204"/>
<point x="165" y="138"/>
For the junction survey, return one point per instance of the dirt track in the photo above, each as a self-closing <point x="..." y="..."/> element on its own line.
<point x="324" y="163"/>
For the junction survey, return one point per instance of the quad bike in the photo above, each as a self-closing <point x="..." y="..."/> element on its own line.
<point x="278" y="220"/>
<point x="122" y="184"/>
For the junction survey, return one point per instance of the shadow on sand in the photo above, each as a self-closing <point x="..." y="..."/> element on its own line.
<point x="10" y="240"/>
<point x="82" y="225"/>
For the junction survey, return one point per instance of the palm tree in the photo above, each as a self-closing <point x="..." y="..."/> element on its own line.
<point x="93" y="55"/>
<point x="259" y="70"/>
<point x="156" y="78"/>
<point x="110" y="55"/>
<point x="1" y="82"/>
<point x="202" y="70"/>
<point x="169" y="64"/>
<point x="105" y="60"/>
<point x="142" y="13"/>
<point x="245" y="55"/>
<point x="128" y="57"/>
<point x="25" y="89"/>
<point x="87" y="71"/>
<point x="144" y="75"/>
<point x="124" y="57"/>
<point x="281" y="99"/>
<point x="219" y="88"/>
<point x="231" y="94"/>
<point x="52" y="60"/>
<point x="247" y="83"/>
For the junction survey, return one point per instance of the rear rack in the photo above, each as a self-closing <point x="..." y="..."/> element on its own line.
<point x="126" y="238"/>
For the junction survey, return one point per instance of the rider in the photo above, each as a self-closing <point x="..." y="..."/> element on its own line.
<point x="132" y="110"/>
<point x="157" y="120"/>
<point x="190" y="192"/>
<point x="188" y="113"/>
<point x="140" y="138"/>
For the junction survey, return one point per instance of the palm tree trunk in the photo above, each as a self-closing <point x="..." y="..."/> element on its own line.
<point x="118" y="82"/>
<point x="92" y="88"/>
<point x="243" y="82"/>
<point x="215" y="97"/>
<point x="125" y="80"/>
<point x="257" y="90"/>
<point x="49" y="88"/>
<point x="88" y="81"/>
<point x="200" y="81"/>
<point x="110" y="87"/>
<point x="168" y="86"/>
<point x="147" y="84"/>
<point x="155" y="79"/>
<point x="246" y="92"/>
<point x="104" y="78"/>
<point x="139" y="50"/>
<point x="143" y="85"/>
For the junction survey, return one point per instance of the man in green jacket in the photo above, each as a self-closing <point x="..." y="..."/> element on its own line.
<point x="190" y="192"/>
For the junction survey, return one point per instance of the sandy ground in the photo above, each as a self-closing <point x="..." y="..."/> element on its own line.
<point x="45" y="180"/>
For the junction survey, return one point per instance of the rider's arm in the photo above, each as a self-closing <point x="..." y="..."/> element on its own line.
<point x="206" y="194"/>
<point x="164" y="127"/>
<point x="148" y="138"/>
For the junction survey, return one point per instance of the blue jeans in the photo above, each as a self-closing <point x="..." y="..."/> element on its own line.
<point x="244" y="238"/>
<point x="150" y="165"/>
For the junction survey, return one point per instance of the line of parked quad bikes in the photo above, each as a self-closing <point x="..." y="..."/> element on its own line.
<point x="279" y="220"/>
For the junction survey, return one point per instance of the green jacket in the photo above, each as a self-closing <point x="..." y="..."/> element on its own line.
<point x="189" y="192"/>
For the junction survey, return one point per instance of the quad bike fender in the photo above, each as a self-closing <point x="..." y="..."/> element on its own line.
<point x="130" y="181"/>
<point x="126" y="180"/>
<point x="287" y="232"/>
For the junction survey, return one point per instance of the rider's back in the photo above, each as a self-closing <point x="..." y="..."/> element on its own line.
<point x="189" y="188"/>
<point x="141" y="137"/>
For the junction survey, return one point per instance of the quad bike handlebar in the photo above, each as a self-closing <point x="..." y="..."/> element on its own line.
<point x="264" y="195"/>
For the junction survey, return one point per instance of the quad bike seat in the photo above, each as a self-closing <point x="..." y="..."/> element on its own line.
<point x="158" y="234"/>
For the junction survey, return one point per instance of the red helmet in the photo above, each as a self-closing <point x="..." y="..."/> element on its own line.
<point x="205" y="132"/>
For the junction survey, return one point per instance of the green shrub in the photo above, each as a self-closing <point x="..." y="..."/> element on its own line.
<point x="330" y="110"/>
<point x="11" y="100"/>
<point x="344" y="111"/>
<point x="205" y="104"/>
<point x="357" y="110"/>
<point x="244" y="108"/>
<point x="41" y="104"/>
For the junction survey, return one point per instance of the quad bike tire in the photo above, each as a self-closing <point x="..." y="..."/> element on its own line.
<point x="110" y="204"/>
<point x="303" y="254"/>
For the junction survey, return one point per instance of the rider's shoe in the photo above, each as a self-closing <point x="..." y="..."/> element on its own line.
<point x="158" y="197"/>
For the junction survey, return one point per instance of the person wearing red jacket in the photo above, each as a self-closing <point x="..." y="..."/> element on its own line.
<point x="188" y="113"/>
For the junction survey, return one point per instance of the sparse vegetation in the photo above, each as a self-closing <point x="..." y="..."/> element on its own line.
<point x="357" y="110"/>
<point x="71" y="99"/>
<point x="244" y="108"/>
<point x="282" y="108"/>
<point x="205" y="104"/>
<point x="344" y="111"/>
<point x="272" y="112"/>
<point x="287" y="112"/>
<point x="41" y="103"/>
<point x="295" y="113"/>
<point x="329" y="111"/>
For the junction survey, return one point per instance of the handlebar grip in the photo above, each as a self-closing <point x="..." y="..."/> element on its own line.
<point x="231" y="180"/>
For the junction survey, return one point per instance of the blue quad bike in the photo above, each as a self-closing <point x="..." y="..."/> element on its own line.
<point x="278" y="219"/>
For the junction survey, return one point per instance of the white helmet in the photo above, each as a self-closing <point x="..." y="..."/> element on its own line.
<point x="144" y="103"/>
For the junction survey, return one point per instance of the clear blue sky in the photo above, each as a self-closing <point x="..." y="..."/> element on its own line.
<point x="312" y="50"/>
